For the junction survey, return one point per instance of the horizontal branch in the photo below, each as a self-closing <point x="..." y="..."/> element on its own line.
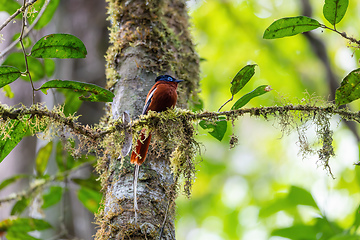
<point x="94" y="134"/>
<point x="39" y="111"/>
<point x="264" y="111"/>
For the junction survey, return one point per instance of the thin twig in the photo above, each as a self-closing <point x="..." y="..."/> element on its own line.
<point x="25" y="55"/>
<point x="226" y="103"/>
<point x="20" y="10"/>
<point x="343" y="34"/>
<point x="27" y="30"/>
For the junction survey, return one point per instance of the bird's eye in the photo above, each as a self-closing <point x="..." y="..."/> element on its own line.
<point x="169" y="79"/>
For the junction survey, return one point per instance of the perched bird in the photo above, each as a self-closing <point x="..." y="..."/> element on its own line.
<point x="161" y="97"/>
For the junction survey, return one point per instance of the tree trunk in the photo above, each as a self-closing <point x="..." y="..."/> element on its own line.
<point x="149" y="38"/>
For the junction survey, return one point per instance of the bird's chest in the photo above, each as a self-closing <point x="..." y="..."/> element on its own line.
<point x="164" y="98"/>
<point x="168" y="97"/>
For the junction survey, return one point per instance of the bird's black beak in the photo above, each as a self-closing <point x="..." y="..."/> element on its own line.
<point x="179" y="80"/>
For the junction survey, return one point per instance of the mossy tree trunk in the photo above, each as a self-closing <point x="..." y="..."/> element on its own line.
<point x="149" y="38"/>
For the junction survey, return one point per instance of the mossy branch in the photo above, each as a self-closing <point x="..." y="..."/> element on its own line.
<point x="148" y="120"/>
<point x="174" y="128"/>
<point x="41" y="112"/>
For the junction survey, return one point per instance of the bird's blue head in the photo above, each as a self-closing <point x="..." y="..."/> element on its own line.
<point x="167" y="78"/>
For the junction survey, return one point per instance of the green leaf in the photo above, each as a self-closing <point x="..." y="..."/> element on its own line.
<point x="247" y="97"/>
<point x="300" y="196"/>
<point x="345" y="236"/>
<point x="42" y="158"/>
<point x="72" y="102"/>
<point x="97" y="94"/>
<point x="59" y="46"/>
<point x="23" y="225"/>
<point x="197" y="104"/>
<point x="296" y="196"/>
<point x="7" y="90"/>
<point x="49" y="66"/>
<point x="296" y="232"/>
<point x="349" y="89"/>
<point x="8" y="75"/>
<point x="286" y="27"/>
<point x="26" y="41"/>
<point x="20" y="206"/>
<point x="36" y="69"/>
<point x="60" y="156"/>
<point x="16" y="130"/>
<point x="10" y="6"/>
<point x="90" y="183"/>
<point x="334" y="10"/>
<point x="16" y="235"/>
<point x="218" y="128"/>
<point x="356" y="223"/>
<point x="65" y="161"/>
<point x="47" y="15"/>
<point x="279" y="204"/>
<point x="90" y="198"/>
<point x="242" y="78"/>
<point x="327" y="228"/>
<point x="12" y="179"/>
<point x="53" y="196"/>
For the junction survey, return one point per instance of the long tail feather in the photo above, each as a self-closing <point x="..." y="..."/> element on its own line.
<point x="136" y="176"/>
<point x="139" y="154"/>
<point x="138" y="157"/>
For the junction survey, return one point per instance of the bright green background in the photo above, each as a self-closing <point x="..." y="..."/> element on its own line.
<point x="239" y="193"/>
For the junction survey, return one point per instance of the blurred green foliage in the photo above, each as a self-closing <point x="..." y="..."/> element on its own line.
<point x="262" y="189"/>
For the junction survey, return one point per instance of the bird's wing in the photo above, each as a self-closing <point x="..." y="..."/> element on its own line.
<point x="148" y="101"/>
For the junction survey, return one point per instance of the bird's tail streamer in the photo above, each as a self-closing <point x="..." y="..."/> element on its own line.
<point x="136" y="176"/>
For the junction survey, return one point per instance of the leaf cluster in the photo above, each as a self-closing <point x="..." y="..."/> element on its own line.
<point x="322" y="226"/>
<point x="52" y="46"/>
<point x="334" y="11"/>
<point x="16" y="124"/>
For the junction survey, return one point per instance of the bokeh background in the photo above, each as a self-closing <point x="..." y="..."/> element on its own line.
<point x="264" y="184"/>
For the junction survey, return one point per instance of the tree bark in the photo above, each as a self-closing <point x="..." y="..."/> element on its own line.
<point x="149" y="38"/>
